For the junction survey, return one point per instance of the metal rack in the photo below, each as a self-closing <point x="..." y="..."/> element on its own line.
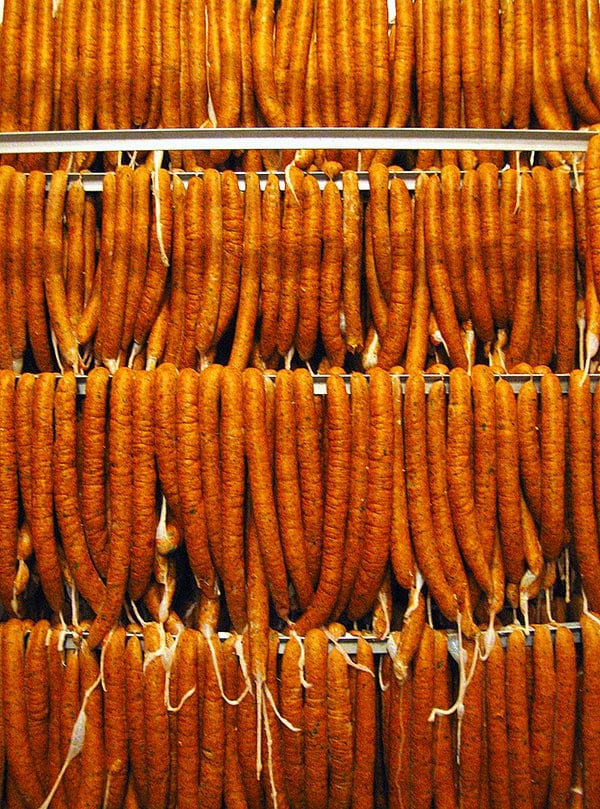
<point x="289" y="138"/>
<point x="132" y="140"/>
<point x="379" y="646"/>
<point x="320" y="381"/>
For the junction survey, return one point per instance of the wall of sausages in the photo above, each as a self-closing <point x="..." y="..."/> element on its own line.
<point x="486" y="266"/>
<point x="174" y="504"/>
<point x="158" y="731"/>
<point x="299" y="472"/>
<point x="158" y="479"/>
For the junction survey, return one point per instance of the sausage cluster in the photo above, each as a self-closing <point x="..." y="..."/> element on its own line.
<point x="178" y="490"/>
<point x="485" y="267"/>
<point x="197" y="719"/>
<point x="202" y="505"/>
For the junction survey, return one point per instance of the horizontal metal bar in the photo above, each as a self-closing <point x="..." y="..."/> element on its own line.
<point x="92" y="181"/>
<point x="516" y="381"/>
<point x="573" y="626"/>
<point x="379" y="646"/>
<point x="347" y="642"/>
<point x="320" y="381"/>
<point x="130" y="140"/>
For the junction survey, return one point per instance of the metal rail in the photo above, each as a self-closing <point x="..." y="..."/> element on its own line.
<point x="379" y="646"/>
<point x="320" y="381"/>
<point x="130" y="140"/>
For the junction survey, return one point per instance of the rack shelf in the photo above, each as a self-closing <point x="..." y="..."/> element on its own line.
<point x="379" y="646"/>
<point x="129" y="140"/>
<point x="320" y="381"/>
